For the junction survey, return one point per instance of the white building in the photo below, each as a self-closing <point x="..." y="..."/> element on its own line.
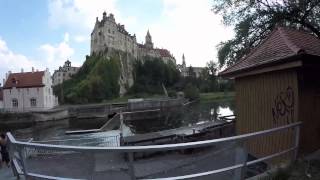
<point x="28" y="91"/>
<point x="64" y="73"/>
<point x="1" y="99"/>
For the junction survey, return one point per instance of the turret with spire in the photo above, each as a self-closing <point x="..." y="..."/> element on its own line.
<point x="183" y="61"/>
<point x="148" y="43"/>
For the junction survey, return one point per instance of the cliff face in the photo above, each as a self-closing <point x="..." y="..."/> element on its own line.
<point x="110" y="38"/>
<point x="126" y="61"/>
<point x="126" y="72"/>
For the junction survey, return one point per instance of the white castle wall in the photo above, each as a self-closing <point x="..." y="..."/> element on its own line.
<point x="107" y="34"/>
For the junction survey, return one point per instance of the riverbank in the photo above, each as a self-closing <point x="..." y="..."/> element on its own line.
<point x="213" y="96"/>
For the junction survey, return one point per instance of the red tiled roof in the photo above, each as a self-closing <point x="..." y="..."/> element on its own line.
<point x="164" y="52"/>
<point x="282" y="43"/>
<point x="24" y="80"/>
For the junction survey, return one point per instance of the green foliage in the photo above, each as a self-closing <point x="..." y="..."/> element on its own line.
<point x="151" y="73"/>
<point x="96" y="81"/>
<point x="253" y="20"/>
<point x="191" y="92"/>
<point x="208" y="81"/>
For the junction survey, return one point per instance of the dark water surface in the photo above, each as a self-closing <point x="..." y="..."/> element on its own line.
<point x="174" y="118"/>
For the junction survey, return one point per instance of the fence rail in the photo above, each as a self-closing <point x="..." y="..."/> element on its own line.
<point x="18" y="147"/>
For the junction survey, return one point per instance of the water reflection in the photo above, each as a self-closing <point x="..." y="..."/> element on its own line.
<point x="169" y="119"/>
<point x="186" y="116"/>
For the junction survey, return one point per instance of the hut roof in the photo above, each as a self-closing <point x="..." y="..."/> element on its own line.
<point x="282" y="44"/>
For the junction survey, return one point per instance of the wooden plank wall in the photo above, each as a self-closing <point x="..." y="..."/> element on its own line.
<point x="309" y="88"/>
<point x="263" y="102"/>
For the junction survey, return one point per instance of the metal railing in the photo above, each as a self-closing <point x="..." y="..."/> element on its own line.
<point x="20" y="161"/>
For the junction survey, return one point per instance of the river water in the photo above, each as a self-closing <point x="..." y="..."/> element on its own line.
<point x="179" y="117"/>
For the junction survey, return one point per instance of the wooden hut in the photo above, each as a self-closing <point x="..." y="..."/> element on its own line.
<point x="278" y="83"/>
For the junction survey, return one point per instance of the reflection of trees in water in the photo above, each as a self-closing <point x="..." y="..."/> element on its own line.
<point x="179" y="117"/>
<point x="169" y="119"/>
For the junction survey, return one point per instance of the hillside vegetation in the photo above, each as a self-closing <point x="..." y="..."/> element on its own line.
<point x="96" y="80"/>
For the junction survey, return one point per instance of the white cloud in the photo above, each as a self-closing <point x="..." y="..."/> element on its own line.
<point x="11" y="61"/>
<point x="81" y="14"/>
<point x="55" y="54"/>
<point x="81" y="38"/>
<point x="185" y="26"/>
<point x="190" y="27"/>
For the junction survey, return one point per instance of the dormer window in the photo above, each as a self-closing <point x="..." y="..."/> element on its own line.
<point x="14" y="81"/>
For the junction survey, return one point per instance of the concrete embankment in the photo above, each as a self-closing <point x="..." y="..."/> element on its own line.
<point x="19" y="120"/>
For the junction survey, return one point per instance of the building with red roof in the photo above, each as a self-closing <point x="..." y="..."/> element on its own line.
<point x="27" y="91"/>
<point x="276" y="84"/>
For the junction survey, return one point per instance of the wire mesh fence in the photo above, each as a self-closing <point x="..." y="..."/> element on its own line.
<point x="225" y="158"/>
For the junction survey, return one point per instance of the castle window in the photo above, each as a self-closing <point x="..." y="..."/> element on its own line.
<point x="33" y="102"/>
<point x="109" y="31"/>
<point x="15" y="103"/>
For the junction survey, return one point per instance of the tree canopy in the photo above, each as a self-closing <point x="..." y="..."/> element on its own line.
<point x="97" y="80"/>
<point x="253" y="20"/>
<point x="151" y="73"/>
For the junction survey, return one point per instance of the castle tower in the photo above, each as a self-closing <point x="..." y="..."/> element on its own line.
<point x="148" y="42"/>
<point x="183" y="61"/>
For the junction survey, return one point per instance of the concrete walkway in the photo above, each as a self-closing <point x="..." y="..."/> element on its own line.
<point x="115" y="166"/>
<point x="6" y="174"/>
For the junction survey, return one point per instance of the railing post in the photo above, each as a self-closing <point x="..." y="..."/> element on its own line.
<point x="131" y="167"/>
<point x="11" y="155"/>
<point x="241" y="156"/>
<point x="23" y="162"/>
<point x="244" y="167"/>
<point x="296" y="143"/>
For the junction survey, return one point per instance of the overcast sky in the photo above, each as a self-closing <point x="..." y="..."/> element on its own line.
<point x="44" y="33"/>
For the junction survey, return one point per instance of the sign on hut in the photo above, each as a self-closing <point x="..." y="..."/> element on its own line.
<point x="278" y="83"/>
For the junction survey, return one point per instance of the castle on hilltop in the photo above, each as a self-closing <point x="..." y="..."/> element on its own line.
<point x="107" y="34"/>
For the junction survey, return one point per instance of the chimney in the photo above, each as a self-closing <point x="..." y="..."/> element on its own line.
<point x="22" y="70"/>
<point x="4" y="81"/>
<point x="33" y="69"/>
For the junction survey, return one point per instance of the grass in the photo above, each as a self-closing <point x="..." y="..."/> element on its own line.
<point x="216" y="96"/>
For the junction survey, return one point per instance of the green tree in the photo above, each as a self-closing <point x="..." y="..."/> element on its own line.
<point x="191" y="92"/>
<point x="150" y="73"/>
<point x="254" y="19"/>
<point x="96" y="81"/>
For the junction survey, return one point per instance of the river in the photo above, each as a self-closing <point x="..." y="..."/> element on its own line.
<point x="189" y="115"/>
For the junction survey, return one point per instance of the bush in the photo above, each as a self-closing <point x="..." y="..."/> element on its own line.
<point x="191" y="92"/>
